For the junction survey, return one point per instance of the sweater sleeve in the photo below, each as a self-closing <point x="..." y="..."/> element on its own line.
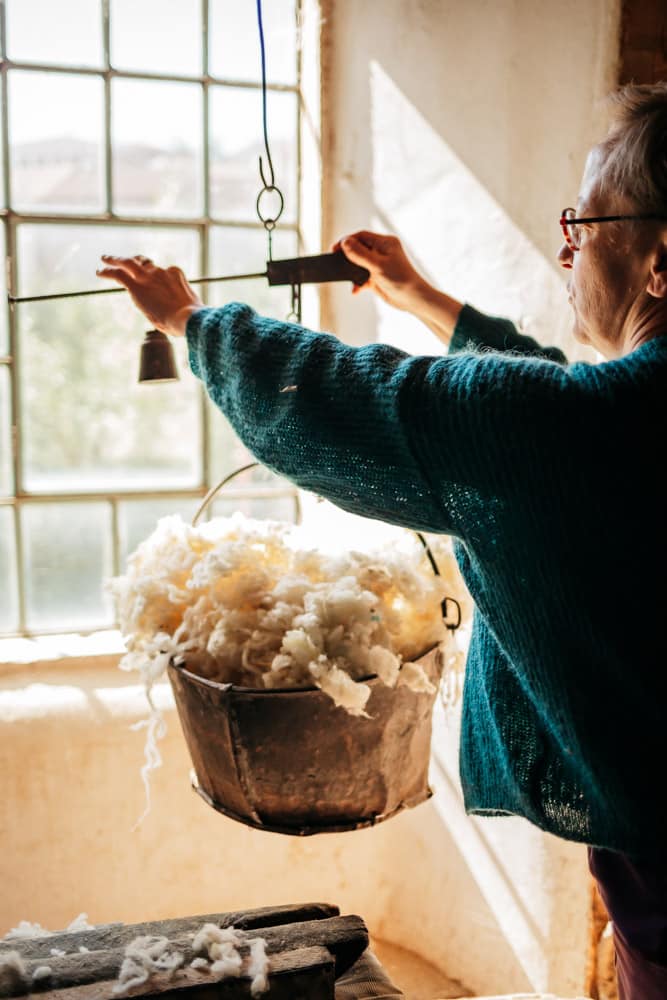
<point x="414" y="441"/>
<point x="476" y="330"/>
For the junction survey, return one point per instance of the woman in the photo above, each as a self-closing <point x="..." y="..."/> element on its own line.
<point x="548" y="475"/>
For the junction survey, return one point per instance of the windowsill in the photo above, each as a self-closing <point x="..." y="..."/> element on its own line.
<point x="72" y="676"/>
<point x="55" y="648"/>
<point x="49" y="657"/>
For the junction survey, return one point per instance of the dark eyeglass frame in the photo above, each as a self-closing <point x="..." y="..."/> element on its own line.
<point x="565" y="222"/>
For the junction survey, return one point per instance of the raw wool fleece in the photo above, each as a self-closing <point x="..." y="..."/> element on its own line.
<point x="13" y="974"/>
<point x="253" y="603"/>
<point x="27" y="929"/>
<point x="219" y="954"/>
<point x="246" y="602"/>
<point x="144" y="956"/>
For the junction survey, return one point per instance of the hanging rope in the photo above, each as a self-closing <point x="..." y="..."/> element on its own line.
<point x="268" y="181"/>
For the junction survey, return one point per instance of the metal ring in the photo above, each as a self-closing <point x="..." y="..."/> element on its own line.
<point x="269" y="223"/>
<point x="452" y="626"/>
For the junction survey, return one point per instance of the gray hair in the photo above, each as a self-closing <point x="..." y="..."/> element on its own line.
<point x="635" y="147"/>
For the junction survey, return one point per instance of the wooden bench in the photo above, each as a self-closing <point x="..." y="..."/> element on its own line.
<point x="314" y="953"/>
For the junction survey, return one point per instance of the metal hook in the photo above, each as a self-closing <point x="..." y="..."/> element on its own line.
<point x="294" y="315"/>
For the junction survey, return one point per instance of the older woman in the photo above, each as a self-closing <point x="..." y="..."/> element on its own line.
<point x="549" y="476"/>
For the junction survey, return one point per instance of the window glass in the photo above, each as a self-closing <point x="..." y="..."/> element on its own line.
<point x="237" y="250"/>
<point x="137" y="519"/>
<point x="3" y="200"/>
<point x="262" y="508"/>
<point x="66" y="33"/>
<point x="64" y="258"/>
<point x="6" y="476"/>
<point x="67" y="556"/>
<point x="87" y="433"/>
<point x="8" y="601"/>
<point x="4" y="336"/>
<point x="56" y="127"/>
<point x="156" y="36"/>
<point x="156" y="132"/>
<point x="234" y="52"/>
<point x="86" y="422"/>
<point x="237" y="143"/>
<point x="233" y="250"/>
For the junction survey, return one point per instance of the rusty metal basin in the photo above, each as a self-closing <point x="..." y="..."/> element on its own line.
<point x="291" y="761"/>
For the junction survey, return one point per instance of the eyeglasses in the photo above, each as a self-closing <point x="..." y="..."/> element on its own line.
<point x="571" y="226"/>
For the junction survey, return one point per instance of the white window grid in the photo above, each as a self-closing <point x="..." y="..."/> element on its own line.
<point x="10" y="219"/>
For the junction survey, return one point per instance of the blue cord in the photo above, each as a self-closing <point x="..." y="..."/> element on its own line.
<point x="272" y="182"/>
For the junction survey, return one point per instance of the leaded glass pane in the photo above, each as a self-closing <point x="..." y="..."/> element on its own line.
<point x="63" y="33"/>
<point x="6" y="474"/>
<point x="156" y="133"/>
<point x="56" y="129"/>
<point x="67" y="552"/>
<point x="87" y="424"/>
<point x="8" y="580"/>
<point x="137" y="519"/>
<point x="262" y="508"/>
<point x="237" y="143"/>
<point x="155" y="36"/>
<point x="234" y="52"/>
<point x="4" y="333"/>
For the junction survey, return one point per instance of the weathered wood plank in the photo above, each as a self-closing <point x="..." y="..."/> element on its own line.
<point x="111" y="936"/>
<point x="305" y="974"/>
<point x="346" y="938"/>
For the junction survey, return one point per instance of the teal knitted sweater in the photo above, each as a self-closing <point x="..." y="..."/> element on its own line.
<point x="548" y="475"/>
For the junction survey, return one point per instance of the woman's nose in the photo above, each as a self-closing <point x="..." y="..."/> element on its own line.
<point x="565" y="255"/>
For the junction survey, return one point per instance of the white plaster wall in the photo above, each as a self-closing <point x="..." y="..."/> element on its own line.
<point x="462" y="126"/>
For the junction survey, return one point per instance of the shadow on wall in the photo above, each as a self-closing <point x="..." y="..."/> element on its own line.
<point x="456" y="126"/>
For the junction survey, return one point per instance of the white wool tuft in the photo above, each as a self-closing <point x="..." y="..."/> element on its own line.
<point x="42" y="972"/>
<point x="259" y="967"/>
<point x="57" y="952"/>
<point x="25" y="929"/>
<point x="221" y="945"/>
<point x="210" y="935"/>
<point x="414" y="676"/>
<point x="350" y="695"/>
<point x="13" y="974"/>
<point x="156" y="728"/>
<point x="199" y="963"/>
<point x="80" y="923"/>
<point x="144" y="956"/>
<point x="385" y="664"/>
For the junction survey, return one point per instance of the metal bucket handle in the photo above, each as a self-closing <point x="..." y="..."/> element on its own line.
<point x="447" y="601"/>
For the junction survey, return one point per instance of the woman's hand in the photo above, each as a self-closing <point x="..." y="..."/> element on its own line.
<point x="396" y="281"/>
<point x="392" y="276"/>
<point x="162" y="294"/>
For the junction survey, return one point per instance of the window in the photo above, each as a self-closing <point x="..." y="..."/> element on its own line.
<point x="127" y="126"/>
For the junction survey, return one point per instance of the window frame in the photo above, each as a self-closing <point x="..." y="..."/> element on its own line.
<point x="10" y="219"/>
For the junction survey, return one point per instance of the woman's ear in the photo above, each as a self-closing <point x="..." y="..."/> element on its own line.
<point x="657" y="281"/>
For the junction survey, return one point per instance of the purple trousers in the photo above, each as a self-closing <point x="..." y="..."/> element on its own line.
<point x="635" y="894"/>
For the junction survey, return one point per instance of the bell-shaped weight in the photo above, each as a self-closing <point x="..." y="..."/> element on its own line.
<point x="157" y="362"/>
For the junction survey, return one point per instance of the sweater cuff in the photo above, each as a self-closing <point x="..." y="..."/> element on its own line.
<point x="475" y="329"/>
<point x="195" y="335"/>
